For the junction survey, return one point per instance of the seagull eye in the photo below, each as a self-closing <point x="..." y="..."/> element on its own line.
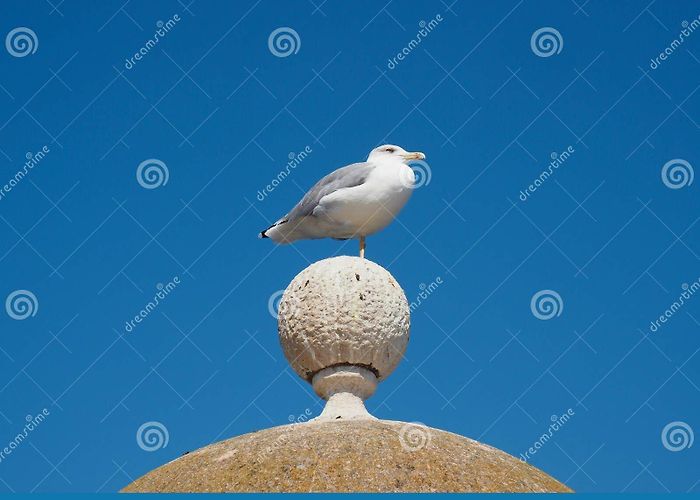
<point x="390" y="150"/>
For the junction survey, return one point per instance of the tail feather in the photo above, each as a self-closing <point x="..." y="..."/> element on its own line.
<point x="263" y="234"/>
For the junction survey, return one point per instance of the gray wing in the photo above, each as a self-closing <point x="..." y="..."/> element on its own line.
<point x="345" y="177"/>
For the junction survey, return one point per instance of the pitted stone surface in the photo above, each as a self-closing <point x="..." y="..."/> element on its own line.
<point x="347" y="456"/>
<point x="344" y="325"/>
<point x="344" y="310"/>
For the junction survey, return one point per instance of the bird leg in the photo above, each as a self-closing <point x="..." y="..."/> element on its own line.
<point x="362" y="247"/>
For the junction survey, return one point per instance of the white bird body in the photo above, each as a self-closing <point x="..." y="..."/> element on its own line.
<point x="370" y="207"/>
<point x="353" y="201"/>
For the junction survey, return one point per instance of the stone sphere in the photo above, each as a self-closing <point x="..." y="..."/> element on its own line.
<point x="344" y="311"/>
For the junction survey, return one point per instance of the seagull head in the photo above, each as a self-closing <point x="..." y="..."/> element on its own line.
<point x="390" y="151"/>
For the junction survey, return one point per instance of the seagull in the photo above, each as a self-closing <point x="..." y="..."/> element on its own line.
<point x="352" y="202"/>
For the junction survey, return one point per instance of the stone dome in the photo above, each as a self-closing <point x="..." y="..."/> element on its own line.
<point x="347" y="456"/>
<point x="343" y="325"/>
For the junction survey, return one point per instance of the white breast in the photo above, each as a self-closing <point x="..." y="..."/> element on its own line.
<point x="370" y="207"/>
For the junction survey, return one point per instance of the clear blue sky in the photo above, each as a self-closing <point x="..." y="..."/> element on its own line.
<point x="222" y="112"/>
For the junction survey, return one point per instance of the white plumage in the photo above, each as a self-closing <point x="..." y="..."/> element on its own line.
<point x="353" y="201"/>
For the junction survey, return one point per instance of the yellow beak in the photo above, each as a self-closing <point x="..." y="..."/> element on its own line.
<point x="414" y="156"/>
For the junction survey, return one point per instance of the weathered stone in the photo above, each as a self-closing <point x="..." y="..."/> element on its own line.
<point x="340" y="311"/>
<point x="344" y="326"/>
<point x="347" y="456"/>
